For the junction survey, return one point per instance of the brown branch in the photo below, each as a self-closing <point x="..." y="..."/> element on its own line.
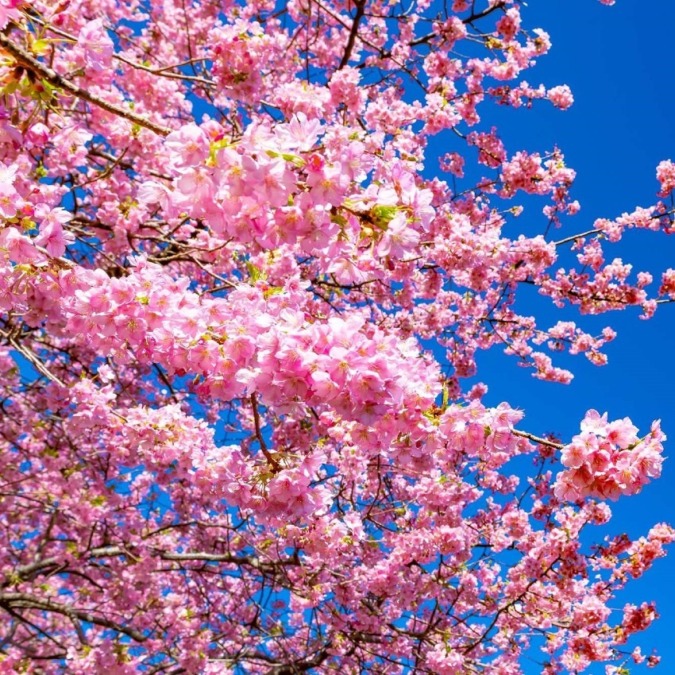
<point x="162" y="72"/>
<point x="96" y="152"/>
<point x="258" y="434"/>
<point x="30" y="356"/>
<point x="256" y="563"/>
<point x="537" y="439"/>
<point x="53" y="564"/>
<point x="360" y="11"/>
<point x="139" y="66"/>
<point x="472" y="645"/>
<point x="56" y="80"/>
<point x="475" y="16"/>
<point x="574" y="237"/>
<point x="303" y="665"/>
<point x="165" y="380"/>
<point x="22" y="619"/>
<point x="27" y="601"/>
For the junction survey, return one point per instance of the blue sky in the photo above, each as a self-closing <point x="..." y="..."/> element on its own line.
<point x="618" y="61"/>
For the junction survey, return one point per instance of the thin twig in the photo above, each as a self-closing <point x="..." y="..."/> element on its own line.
<point x="258" y="434"/>
<point x="574" y="237"/>
<point x="537" y="439"/>
<point x="34" y="360"/>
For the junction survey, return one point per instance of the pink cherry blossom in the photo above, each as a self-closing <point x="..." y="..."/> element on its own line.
<point x="96" y="44"/>
<point x="242" y="329"/>
<point x="9" y="11"/>
<point x="52" y="235"/>
<point x="8" y="194"/>
<point x="561" y="97"/>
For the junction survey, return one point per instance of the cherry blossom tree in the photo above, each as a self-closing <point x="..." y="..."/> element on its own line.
<point x="240" y="308"/>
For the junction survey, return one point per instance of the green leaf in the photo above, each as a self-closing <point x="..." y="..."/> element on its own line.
<point x="255" y="273"/>
<point x="40" y="47"/>
<point x="383" y="214"/>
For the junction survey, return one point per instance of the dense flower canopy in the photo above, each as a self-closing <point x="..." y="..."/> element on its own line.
<point x="239" y="309"/>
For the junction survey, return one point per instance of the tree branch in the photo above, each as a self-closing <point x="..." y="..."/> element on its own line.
<point x="28" y="601"/>
<point x="30" y="356"/>
<point x="538" y="439"/>
<point x="258" y="434"/>
<point x="56" y="80"/>
<point x="53" y="564"/>
<point x="360" y="11"/>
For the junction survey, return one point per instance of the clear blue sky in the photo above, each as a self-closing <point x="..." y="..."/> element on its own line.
<point x="619" y="63"/>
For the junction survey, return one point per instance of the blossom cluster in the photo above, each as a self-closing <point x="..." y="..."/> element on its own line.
<point x="608" y="459"/>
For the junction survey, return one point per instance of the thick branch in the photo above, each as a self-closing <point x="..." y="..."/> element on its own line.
<point x="256" y="563"/>
<point x="51" y="76"/>
<point x="53" y="564"/>
<point x="28" y="601"/>
<point x="360" y="10"/>
<point x="258" y="434"/>
<point x="303" y="665"/>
